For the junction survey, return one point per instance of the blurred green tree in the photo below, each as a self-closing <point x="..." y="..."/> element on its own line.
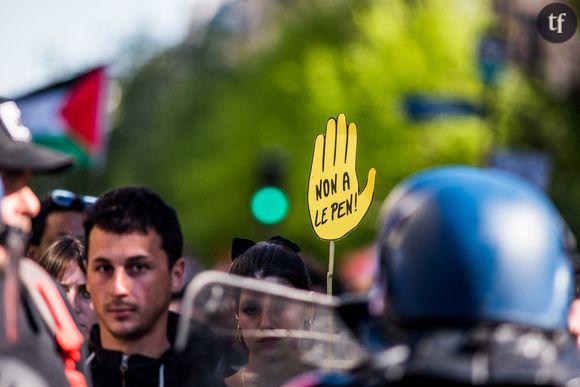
<point x="265" y="76"/>
<point x="196" y="119"/>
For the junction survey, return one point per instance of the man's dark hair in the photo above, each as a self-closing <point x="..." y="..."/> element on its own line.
<point x="47" y="207"/>
<point x="136" y="209"/>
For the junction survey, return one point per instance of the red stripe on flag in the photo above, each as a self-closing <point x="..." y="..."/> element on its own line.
<point x="82" y="110"/>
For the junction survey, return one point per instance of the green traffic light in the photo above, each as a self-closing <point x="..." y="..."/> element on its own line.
<point x="269" y="205"/>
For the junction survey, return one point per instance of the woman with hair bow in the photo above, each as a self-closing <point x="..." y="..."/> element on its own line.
<point x="272" y="358"/>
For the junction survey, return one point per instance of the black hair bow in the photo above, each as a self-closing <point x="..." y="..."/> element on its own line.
<point x="241" y="245"/>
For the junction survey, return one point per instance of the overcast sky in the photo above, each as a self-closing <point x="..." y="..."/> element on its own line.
<point x="45" y="41"/>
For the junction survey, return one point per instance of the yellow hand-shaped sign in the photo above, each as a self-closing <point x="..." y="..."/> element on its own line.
<point x="334" y="202"/>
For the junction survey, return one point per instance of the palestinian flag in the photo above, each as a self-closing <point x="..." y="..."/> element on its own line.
<point x="70" y="116"/>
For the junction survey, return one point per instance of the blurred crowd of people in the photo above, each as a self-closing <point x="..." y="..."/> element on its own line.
<point x="471" y="283"/>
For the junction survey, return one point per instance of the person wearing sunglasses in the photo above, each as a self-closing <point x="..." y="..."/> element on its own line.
<point x="61" y="213"/>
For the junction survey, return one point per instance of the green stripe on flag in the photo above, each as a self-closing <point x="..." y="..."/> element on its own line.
<point x="66" y="145"/>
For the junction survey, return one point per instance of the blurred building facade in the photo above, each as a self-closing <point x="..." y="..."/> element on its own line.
<point x="555" y="65"/>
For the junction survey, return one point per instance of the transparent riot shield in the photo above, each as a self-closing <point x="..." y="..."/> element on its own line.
<point x="291" y="331"/>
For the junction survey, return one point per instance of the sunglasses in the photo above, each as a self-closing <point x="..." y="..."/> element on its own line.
<point x="66" y="198"/>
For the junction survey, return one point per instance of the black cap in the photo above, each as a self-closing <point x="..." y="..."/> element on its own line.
<point x="17" y="152"/>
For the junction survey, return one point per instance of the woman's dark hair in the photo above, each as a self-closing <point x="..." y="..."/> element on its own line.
<point x="275" y="256"/>
<point x="59" y="255"/>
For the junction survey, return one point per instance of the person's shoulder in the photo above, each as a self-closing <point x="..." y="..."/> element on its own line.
<point x="566" y="367"/>
<point x="48" y="298"/>
<point x="234" y="380"/>
<point x="30" y="272"/>
<point x="322" y="378"/>
<point x="197" y="361"/>
<point x="198" y="332"/>
<point x="49" y="337"/>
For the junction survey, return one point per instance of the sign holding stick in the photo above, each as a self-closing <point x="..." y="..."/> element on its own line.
<point x="335" y="204"/>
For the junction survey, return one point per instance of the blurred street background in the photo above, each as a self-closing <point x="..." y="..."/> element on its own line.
<point x="210" y="100"/>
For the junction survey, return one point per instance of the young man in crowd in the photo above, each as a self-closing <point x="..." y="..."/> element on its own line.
<point x="134" y="250"/>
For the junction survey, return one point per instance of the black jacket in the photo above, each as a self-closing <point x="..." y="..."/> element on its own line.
<point x="195" y="366"/>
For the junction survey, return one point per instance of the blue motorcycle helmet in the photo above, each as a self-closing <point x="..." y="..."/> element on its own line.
<point x="463" y="245"/>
